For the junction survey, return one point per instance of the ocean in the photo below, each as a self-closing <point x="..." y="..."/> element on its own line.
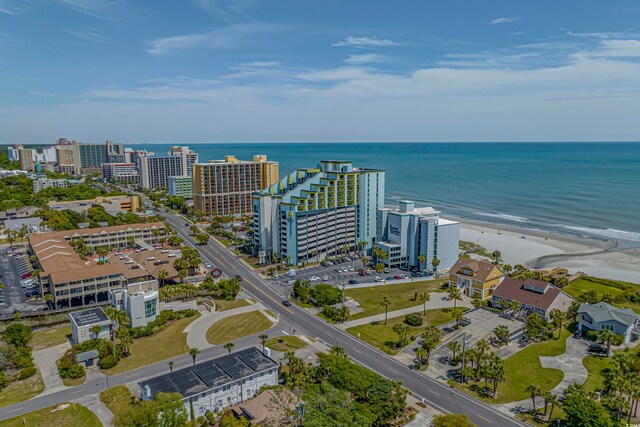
<point x="576" y="188"/>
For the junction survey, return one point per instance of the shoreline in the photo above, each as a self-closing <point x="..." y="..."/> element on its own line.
<point x="540" y="249"/>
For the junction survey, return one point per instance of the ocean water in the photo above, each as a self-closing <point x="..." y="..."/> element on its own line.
<point x="578" y="188"/>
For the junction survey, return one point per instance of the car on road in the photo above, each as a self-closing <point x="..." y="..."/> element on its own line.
<point x="237" y="276"/>
<point x="286" y="303"/>
<point x="350" y="268"/>
<point x="397" y="277"/>
<point x="390" y="278"/>
<point x="368" y="272"/>
<point x="338" y="270"/>
<point x="404" y="276"/>
<point x="353" y="282"/>
<point x="207" y="265"/>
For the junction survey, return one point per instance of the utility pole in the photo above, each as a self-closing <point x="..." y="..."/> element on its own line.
<point x="464" y="346"/>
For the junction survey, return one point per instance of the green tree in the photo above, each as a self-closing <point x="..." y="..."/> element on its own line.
<point x="182" y="274"/>
<point x="455" y="295"/>
<point x="431" y="337"/>
<point x="163" y="275"/>
<point x="202" y="239"/>
<point x="457" y="314"/>
<point x="194" y="229"/>
<point x="379" y="267"/>
<point x="502" y="333"/>
<point x="534" y="391"/>
<point x="171" y="410"/>
<point x="194" y="352"/>
<point x="557" y="319"/>
<point x="581" y="410"/>
<point x="535" y="327"/>
<point x="404" y="332"/>
<point x="422" y="258"/>
<point x="17" y="334"/>
<point x="385" y="302"/>
<point x="606" y="336"/>
<point x="435" y="262"/>
<point x="424" y="297"/>
<point x="229" y="346"/>
<point x="95" y="331"/>
<point x="229" y="420"/>
<point x="144" y="414"/>
<point x="513" y="305"/>
<point x="496" y="256"/>
<point x="452" y="420"/>
<point x="455" y="348"/>
<point x="476" y="300"/>
<point x="171" y="363"/>
<point x="263" y="340"/>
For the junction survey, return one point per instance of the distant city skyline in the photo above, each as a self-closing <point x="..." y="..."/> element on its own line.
<point x="299" y="71"/>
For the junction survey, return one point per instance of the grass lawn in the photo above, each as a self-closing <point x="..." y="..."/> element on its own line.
<point x="236" y="326"/>
<point x="223" y="305"/>
<point x="383" y="336"/>
<point x="290" y="342"/>
<point x="400" y="295"/>
<point x="22" y="390"/>
<point x="166" y="344"/>
<point x="595" y="365"/>
<point x="72" y="416"/>
<point x="118" y="399"/>
<point x="605" y="286"/>
<point x="558" y="412"/>
<point x="49" y="337"/>
<point x="524" y="368"/>
<point x="74" y="382"/>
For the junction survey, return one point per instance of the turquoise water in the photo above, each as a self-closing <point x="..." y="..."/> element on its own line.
<point x="577" y="188"/>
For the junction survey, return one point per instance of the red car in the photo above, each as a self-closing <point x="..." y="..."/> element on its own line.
<point x="397" y="277"/>
<point x="361" y="273"/>
<point x="26" y="275"/>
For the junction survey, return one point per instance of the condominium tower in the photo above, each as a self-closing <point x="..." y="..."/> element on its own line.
<point x="318" y="212"/>
<point x="155" y="169"/>
<point x="226" y="187"/>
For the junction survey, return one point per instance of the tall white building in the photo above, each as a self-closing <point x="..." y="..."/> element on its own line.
<point x="42" y="183"/>
<point x="408" y="232"/>
<point x="318" y="212"/>
<point x="155" y="169"/>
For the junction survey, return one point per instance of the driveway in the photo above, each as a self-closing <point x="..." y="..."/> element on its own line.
<point x="570" y="363"/>
<point x="45" y="360"/>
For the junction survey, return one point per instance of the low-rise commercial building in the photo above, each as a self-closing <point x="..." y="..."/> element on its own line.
<point x="226" y="187"/>
<point x="139" y="300"/>
<point x="216" y="384"/>
<point x="600" y="316"/>
<point x="111" y="204"/>
<point x="475" y="277"/>
<point x="42" y="183"/>
<point x="535" y="296"/>
<point x="318" y="212"/>
<point x="83" y="321"/>
<point x="20" y="213"/>
<point x="409" y="232"/>
<point x="181" y="186"/>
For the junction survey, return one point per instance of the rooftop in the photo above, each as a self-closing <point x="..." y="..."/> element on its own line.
<point x="482" y="270"/>
<point x="212" y="373"/>
<point x="602" y="312"/>
<point x="89" y="316"/>
<point x="535" y="293"/>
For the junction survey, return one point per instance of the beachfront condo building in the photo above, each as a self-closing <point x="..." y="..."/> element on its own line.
<point x="181" y="186"/>
<point x="126" y="173"/>
<point x="226" y="187"/>
<point x="156" y="169"/>
<point x="320" y="212"/>
<point x="409" y="232"/>
<point x="475" y="277"/>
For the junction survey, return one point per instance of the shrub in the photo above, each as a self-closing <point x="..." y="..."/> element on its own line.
<point x="325" y="294"/>
<point x="3" y="380"/>
<point x="107" y="362"/>
<point x="336" y="314"/>
<point x="27" y="373"/>
<point x="87" y="345"/>
<point x="592" y="336"/>
<point x="17" y="334"/>
<point x="68" y="368"/>
<point x="413" y="319"/>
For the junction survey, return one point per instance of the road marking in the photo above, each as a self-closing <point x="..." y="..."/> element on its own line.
<point x="394" y="371"/>
<point x="77" y="391"/>
<point x="480" y="416"/>
<point x="268" y="296"/>
<point x="15" y="410"/>
<point x="431" y="391"/>
<point x="131" y="375"/>
<point x="356" y="350"/>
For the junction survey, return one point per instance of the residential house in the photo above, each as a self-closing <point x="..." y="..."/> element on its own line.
<point x="621" y="321"/>
<point x="475" y="277"/>
<point x="535" y="296"/>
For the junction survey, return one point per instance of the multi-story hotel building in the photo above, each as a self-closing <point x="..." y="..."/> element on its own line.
<point x="318" y="212"/>
<point x="42" y="183"/>
<point x="121" y="172"/>
<point x="155" y="169"/>
<point x="408" y="232"/>
<point x="226" y="187"/>
<point x="76" y="282"/>
<point x="180" y="186"/>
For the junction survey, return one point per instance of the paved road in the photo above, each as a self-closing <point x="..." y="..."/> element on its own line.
<point x="436" y="394"/>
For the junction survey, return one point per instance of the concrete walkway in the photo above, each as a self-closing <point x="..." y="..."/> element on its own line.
<point x="95" y="405"/>
<point x="45" y="360"/>
<point x="438" y="300"/>
<point x="197" y="330"/>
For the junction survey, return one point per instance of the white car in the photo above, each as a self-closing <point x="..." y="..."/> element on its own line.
<point x="208" y="265"/>
<point x="404" y="276"/>
<point x="314" y="278"/>
<point x="350" y="268"/>
<point x="379" y="279"/>
<point x="325" y="277"/>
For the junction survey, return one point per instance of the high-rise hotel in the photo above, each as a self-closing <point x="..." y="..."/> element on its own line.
<point x="318" y="212"/>
<point x="226" y="187"/>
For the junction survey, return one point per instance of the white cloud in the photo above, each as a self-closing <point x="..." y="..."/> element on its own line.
<point x="89" y="35"/>
<point x="365" y="42"/>
<point x="100" y="9"/>
<point x="505" y="20"/>
<point x="365" y="58"/>
<point x="225" y="9"/>
<point x="619" y="48"/>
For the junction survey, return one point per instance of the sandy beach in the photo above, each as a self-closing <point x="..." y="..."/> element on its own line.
<point x="539" y="249"/>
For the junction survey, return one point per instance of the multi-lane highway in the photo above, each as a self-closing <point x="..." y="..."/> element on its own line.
<point x="436" y="394"/>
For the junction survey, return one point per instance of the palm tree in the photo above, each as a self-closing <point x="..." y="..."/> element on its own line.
<point x="605" y="335"/>
<point x="22" y="233"/>
<point x="422" y="258"/>
<point x="507" y="268"/>
<point x="534" y="392"/>
<point x="101" y="252"/>
<point x="455" y="347"/>
<point x="229" y="346"/>
<point x="502" y="333"/>
<point x="435" y="262"/>
<point x="386" y="303"/>
<point x="496" y="256"/>
<point x="156" y="234"/>
<point x="170" y="363"/>
<point x="194" y="229"/>
<point x="163" y="274"/>
<point x="457" y="315"/>
<point x="263" y="340"/>
<point x="424" y="297"/>
<point x="194" y="352"/>
<point x="182" y="274"/>
<point x="11" y="237"/>
<point x="48" y="298"/>
<point x="557" y="318"/>
<point x="95" y="330"/>
<point x="551" y="399"/>
<point x="455" y="295"/>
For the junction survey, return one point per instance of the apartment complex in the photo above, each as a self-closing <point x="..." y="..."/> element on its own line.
<point x="42" y="183"/>
<point x="475" y="277"/>
<point x="181" y="186"/>
<point x="226" y="187"/>
<point x="92" y="156"/>
<point x="318" y="212"/>
<point x="156" y="169"/>
<point x="408" y="232"/>
<point x="126" y="173"/>
<point x="75" y="282"/>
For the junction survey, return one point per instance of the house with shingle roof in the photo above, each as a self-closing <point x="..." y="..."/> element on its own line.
<point x="535" y="296"/>
<point x="475" y="277"/>
<point x="621" y="321"/>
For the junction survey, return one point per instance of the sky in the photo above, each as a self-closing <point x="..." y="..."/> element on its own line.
<point x="197" y="71"/>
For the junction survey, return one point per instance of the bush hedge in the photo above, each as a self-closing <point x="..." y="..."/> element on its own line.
<point x="68" y="368"/>
<point x="413" y="319"/>
<point x="161" y="322"/>
<point x="27" y="373"/>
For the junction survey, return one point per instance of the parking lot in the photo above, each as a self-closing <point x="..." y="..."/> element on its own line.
<point x="341" y="272"/>
<point x="13" y="266"/>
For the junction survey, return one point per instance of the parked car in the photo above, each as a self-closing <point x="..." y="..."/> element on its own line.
<point x="207" y="265"/>
<point x="390" y="278"/>
<point x="237" y="276"/>
<point x="397" y="277"/>
<point x="361" y="273"/>
<point x="286" y="303"/>
<point x="26" y="275"/>
<point x="596" y="349"/>
<point x="379" y="279"/>
<point x="325" y="277"/>
<point x="353" y="282"/>
<point x="386" y="270"/>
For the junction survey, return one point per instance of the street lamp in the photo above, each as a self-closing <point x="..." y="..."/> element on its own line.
<point x="464" y="346"/>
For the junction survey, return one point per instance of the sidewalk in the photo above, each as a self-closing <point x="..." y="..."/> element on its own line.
<point x="438" y="300"/>
<point x="45" y="360"/>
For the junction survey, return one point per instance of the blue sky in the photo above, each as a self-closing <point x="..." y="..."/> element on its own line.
<point x="334" y="70"/>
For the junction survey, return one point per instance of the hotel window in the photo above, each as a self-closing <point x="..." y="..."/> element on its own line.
<point x="150" y="308"/>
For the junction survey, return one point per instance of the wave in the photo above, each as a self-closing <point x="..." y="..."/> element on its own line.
<point x="503" y="216"/>
<point x="611" y="233"/>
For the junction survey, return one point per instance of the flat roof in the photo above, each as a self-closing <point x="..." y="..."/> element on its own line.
<point x="89" y="316"/>
<point x="212" y="373"/>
